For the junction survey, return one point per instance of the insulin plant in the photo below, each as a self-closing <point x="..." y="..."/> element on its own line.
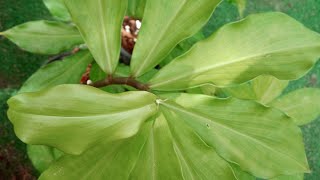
<point x="166" y="123"/>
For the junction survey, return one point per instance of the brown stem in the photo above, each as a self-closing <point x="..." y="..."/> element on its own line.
<point x="121" y="81"/>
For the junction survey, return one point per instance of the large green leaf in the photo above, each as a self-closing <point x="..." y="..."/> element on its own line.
<point x="263" y="89"/>
<point x="74" y="117"/>
<point x="269" y="43"/>
<point x="164" y="25"/>
<point x="67" y="71"/>
<point x="44" y="37"/>
<point x="243" y="132"/>
<point x="58" y="9"/>
<point x="100" y="22"/>
<point x="302" y="105"/>
<point x="165" y="148"/>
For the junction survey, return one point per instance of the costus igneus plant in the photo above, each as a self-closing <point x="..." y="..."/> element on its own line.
<point x="146" y="121"/>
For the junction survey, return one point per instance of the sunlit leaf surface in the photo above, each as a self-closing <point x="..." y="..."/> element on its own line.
<point x="269" y="43"/>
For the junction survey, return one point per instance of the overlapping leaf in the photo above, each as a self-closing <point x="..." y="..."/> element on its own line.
<point x="302" y="105"/>
<point x="263" y="89"/>
<point x="164" y="25"/>
<point x="74" y="117"/>
<point x="58" y="9"/>
<point x="180" y="142"/>
<point x="165" y="148"/>
<point x="99" y="22"/>
<point x="243" y="132"/>
<point x="44" y="37"/>
<point x="67" y="71"/>
<point x="269" y="43"/>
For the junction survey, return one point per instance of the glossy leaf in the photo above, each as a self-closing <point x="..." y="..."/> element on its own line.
<point x="243" y="132"/>
<point x="165" y="148"/>
<point x="100" y="22"/>
<point x="302" y="105"/>
<point x="58" y="9"/>
<point x="42" y="156"/>
<point x="75" y="117"/>
<point x="263" y="89"/>
<point x="136" y="8"/>
<point x="67" y="71"/>
<point x="269" y="43"/>
<point x="165" y="24"/>
<point x="44" y="37"/>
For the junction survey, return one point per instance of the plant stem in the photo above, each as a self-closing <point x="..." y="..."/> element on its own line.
<point x="121" y="81"/>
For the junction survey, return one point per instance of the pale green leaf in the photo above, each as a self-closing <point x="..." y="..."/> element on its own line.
<point x="67" y="71"/>
<point x="263" y="89"/>
<point x="165" y="148"/>
<point x="289" y="177"/>
<point x="44" y="37"/>
<point x="100" y="22"/>
<point x="75" y="117"/>
<point x="58" y="9"/>
<point x="302" y="105"/>
<point x="165" y="24"/>
<point x="42" y="156"/>
<point x="269" y="43"/>
<point x="243" y="132"/>
<point x="136" y="8"/>
<point x="268" y="88"/>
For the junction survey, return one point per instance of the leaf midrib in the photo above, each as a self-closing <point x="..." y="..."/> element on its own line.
<point x="105" y="43"/>
<point x="168" y="25"/>
<point x="219" y="65"/>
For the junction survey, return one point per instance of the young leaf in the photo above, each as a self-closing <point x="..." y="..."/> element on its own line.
<point x="165" y="24"/>
<point x="74" y="117"/>
<point x="302" y="105"/>
<point x="58" y="9"/>
<point x="100" y="22"/>
<point x="67" y="71"/>
<point x="243" y="132"/>
<point x="269" y="43"/>
<point x="263" y="89"/>
<point x="165" y="148"/>
<point x="44" y="37"/>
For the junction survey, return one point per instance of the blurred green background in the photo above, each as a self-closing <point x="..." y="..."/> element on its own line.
<point x="16" y="66"/>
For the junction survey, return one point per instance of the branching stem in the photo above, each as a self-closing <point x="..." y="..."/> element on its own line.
<point x="121" y="81"/>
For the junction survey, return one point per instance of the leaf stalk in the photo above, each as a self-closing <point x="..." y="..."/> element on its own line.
<point x="121" y="81"/>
